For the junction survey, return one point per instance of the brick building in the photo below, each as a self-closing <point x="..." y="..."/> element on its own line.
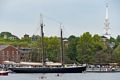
<point x="9" y="53"/>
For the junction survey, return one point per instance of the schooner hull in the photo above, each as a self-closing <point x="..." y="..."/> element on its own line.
<point x="49" y="70"/>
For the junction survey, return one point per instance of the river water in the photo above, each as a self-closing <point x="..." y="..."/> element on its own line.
<point x="71" y="76"/>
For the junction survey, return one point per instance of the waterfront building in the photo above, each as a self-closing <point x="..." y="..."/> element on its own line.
<point x="9" y="53"/>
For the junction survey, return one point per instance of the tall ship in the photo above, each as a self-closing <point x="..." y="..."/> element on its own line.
<point x="48" y="67"/>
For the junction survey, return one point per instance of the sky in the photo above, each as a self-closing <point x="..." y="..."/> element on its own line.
<point x="77" y="16"/>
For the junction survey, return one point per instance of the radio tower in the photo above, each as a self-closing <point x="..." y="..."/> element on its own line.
<point x="106" y="23"/>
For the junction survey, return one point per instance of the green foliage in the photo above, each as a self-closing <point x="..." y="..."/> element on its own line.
<point x="117" y="41"/>
<point x="98" y="43"/>
<point x="52" y="48"/>
<point x="72" y="50"/>
<point x="83" y="49"/>
<point x="5" y="33"/>
<point x="116" y="54"/>
<point x="8" y="35"/>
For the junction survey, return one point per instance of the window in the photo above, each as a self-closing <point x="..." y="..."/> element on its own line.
<point x="3" y="55"/>
<point x="13" y="55"/>
<point x="2" y="52"/>
<point x="7" y="55"/>
<point x="17" y="56"/>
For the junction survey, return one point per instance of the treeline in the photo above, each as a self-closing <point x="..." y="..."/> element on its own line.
<point x="87" y="48"/>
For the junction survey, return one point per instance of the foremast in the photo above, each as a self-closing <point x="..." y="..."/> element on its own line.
<point x="61" y="38"/>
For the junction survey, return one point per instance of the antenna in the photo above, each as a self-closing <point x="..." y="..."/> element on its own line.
<point x="106" y="23"/>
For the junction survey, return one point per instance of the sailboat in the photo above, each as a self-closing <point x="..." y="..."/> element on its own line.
<point x="50" y="67"/>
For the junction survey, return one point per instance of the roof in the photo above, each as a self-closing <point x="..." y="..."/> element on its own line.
<point x="3" y="47"/>
<point x="25" y="50"/>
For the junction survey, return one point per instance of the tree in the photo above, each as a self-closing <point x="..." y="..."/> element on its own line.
<point x="72" y="50"/>
<point x="85" y="48"/>
<point x="116" y="54"/>
<point x="118" y="39"/>
<point x="98" y="43"/>
<point x="52" y="48"/>
<point x="8" y="34"/>
<point x="117" y="42"/>
<point x="99" y="49"/>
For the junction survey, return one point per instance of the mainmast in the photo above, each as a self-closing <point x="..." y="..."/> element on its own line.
<point x="42" y="40"/>
<point x="61" y="33"/>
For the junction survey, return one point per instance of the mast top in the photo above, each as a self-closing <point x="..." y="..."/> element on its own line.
<point x="41" y="20"/>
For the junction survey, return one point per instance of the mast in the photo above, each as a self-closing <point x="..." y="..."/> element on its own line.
<point x="61" y="46"/>
<point x="42" y="40"/>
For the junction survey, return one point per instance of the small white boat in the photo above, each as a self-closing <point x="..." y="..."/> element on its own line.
<point x="3" y="72"/>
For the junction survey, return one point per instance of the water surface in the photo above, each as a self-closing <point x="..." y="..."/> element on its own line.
<point x="69" y="76"/>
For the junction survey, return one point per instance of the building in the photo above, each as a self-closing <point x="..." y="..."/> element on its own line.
<point x="25" y="54"/>
<point x="26" y="36"/>
<point x="9" y="53"/>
